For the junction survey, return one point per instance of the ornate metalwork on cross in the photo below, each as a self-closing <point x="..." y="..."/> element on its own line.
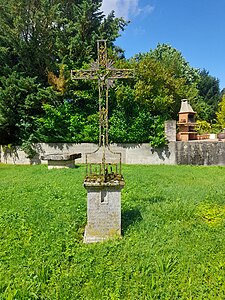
<point x="103" y="71"/>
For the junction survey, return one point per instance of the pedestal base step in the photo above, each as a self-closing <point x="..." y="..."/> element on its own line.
<point x="91" y="238"/>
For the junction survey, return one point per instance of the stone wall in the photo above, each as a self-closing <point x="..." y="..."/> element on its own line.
<point x="192" y="152"/>
<point x="200" y="153"/>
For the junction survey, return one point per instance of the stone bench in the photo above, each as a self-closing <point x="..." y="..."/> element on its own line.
<point x="59" y="161"/>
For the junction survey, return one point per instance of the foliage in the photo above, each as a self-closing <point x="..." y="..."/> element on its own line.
<point x="221" y="113"/>
<point x="209" y="93"/>
<point x="41" y="35"/>
<point x="208" y="87"/>
<point x="28" y="148"/>
<point x="135" y="130"/>
<point x="150" y="88"/>
<point x="157" y="138"/>
<point x="20" y="98"/>
<point x="66" y="123"/>
<point x="132" y="123"/>
<point x="163" y="79"/>
<point x="204" y="110"/>
<point x="175" y="63"/>
<point x="42" y="40"/>
<point x="172" y="245"/>
<point x="202" y="127"/>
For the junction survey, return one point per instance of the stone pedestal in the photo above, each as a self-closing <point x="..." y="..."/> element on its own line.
<point x="103" y="211"/>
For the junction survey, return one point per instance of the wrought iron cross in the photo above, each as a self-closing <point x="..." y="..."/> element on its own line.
<point x="103" y="71"/>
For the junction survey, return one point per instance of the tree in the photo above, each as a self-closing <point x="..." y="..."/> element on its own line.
<point x="209" y="96"/>
<point x="221" y="113"/>
<point x="21" y="99"/>
<point x="208" y="87"/>
<point x="162" y="81"/>
<point x="41" y="40"/>
<point x="175" y="63"/>
<point x="39" y="35"/>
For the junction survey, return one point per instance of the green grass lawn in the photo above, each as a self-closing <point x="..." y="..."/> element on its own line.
<point x="173" y="244"/>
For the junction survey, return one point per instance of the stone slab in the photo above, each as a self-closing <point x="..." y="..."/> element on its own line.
<point x="60" y="161"/>
<point x="58" y="157"/>
<point x="61" y="164"/>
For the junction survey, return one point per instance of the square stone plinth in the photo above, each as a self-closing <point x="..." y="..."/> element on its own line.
<point x="103" y="211"/>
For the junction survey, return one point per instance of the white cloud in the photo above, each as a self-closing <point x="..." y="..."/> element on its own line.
<point x="147" y="9"/>
<point x="125" y="8"/>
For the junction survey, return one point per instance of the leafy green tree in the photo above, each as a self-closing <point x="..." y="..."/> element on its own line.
<point x="131" y="122"/>
<point x="65" y="123"/>
<point x="204" y="110"/>
<point x="20" y="99"/>
<point x="40" y="42"/>
<point x="209" y="96"/>
<point x="175" y="63"/>
<point x="209" y="89"/>
<point x="159" y="88"/>
<point x="221" y="113"/>
<point x="222" y="92"/>
<point x="40" y="35"/>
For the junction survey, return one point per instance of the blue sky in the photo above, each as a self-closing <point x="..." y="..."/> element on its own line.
<point x="196" y="28"/>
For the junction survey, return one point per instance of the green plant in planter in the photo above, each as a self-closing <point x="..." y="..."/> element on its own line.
<point x="202" y="127"/>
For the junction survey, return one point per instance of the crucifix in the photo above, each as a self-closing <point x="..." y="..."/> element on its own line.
<point x="103" y="181"/>
<point x="103" y="71"/>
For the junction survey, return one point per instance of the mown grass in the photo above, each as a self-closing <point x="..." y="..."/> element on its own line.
<point x="172" y="246"/>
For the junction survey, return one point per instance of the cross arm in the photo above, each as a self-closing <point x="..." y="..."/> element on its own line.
<point x="84" y="74"/>
<point x="121" y="73"/>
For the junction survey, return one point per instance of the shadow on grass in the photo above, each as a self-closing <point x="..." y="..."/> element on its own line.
<point x="153" y="199"/>
<point x="76" y="167"/>
<point x="132" y="216"/>
<point x="129" y="217"/>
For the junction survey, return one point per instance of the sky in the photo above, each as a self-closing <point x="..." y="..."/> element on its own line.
<point x="196" y="28"/>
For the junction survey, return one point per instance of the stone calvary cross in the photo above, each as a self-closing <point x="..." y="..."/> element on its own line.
<point x="103" y="71"/>
<point x="103" y="181"/>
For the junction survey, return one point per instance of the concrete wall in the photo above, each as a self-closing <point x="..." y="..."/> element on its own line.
<point x="200" y="153"/>
<point x="131" y="153"/>
<point x="192" y="152"/>
<point x="15" y="155"/>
